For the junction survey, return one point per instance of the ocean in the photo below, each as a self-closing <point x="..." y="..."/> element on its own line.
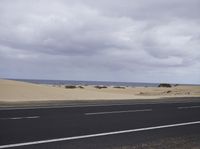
<point x="74" y="82"/>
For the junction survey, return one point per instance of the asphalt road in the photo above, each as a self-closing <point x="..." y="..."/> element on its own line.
<point x="21" y="127"/>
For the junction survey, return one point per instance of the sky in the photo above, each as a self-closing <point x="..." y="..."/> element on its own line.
<point x="104" y="40"/>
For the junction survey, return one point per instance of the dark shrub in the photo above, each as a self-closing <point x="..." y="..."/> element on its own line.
<point x="81" y="87"/>
<point x="70" y="86"/>
<point x="120" y="87"/>
<point x="169" y="92"/>
<point x="141" y="93"/>
<point x="164" y="85"/>
<point x="100" y="87"/>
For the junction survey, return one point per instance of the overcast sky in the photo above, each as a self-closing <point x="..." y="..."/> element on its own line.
<point x="107" y="40"/>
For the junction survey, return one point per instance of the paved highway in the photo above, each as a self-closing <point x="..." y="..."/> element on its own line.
<point x="39" y="125"/>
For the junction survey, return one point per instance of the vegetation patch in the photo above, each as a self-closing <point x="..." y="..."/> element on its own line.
<point x="81" y="87"/>
<point x="70" y="86"/>
<point x="120" y="87"/>
<point x="164" y="85"/>
<point x="100" y="87"/>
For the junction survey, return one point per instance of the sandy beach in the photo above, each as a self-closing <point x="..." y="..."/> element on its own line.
<point x="16" y="91"/>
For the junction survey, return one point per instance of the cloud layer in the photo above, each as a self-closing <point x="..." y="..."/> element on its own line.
<point x="148" y="41"/>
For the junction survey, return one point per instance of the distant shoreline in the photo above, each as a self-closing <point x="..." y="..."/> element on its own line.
<point x="86" y="82"/>
<point x="81" y="82"/>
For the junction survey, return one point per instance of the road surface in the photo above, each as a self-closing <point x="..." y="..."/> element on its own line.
<point x="24" y="127"/>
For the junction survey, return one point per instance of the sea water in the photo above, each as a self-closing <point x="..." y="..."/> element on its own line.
<point x="76" y="82"/>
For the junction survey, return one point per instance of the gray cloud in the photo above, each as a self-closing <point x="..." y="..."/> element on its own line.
<point x="137" y="40"/>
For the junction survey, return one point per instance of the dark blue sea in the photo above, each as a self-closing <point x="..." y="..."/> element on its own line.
<point x="72" y="82"/>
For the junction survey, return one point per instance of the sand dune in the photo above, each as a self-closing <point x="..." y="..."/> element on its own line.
<point x="14" y="91"/>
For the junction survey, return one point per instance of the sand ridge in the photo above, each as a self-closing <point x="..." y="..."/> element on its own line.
<point x="14" y="91"/>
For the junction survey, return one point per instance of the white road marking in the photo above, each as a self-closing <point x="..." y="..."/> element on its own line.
<point x="33" y="117"/>
<point x="189" y="107"/>
<point x="115" y="112"/>
<point x="18" y="118"/>
<point x="98" y="135"/>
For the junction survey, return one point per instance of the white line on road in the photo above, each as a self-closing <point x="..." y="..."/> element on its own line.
<point x="18" y="118"/>
<point x="33" y="117"/>
<point x="189" y="107"/>
<point x="97" y="135"/>
<point x="115" y="112"/>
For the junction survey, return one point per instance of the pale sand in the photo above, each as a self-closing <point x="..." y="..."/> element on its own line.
<point x="14" y="91"/>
